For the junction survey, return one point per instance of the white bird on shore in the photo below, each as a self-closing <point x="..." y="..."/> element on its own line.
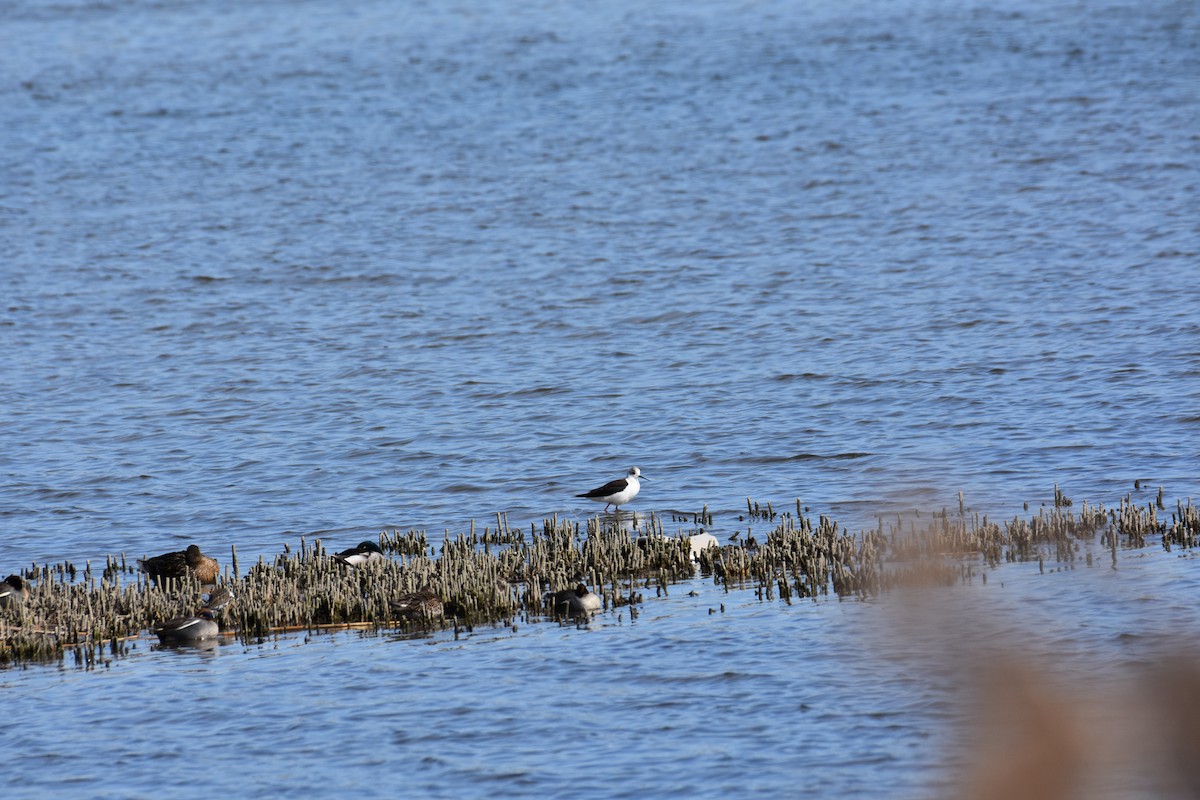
<point x="619" y="492"/>
<point x="701" y="542"/>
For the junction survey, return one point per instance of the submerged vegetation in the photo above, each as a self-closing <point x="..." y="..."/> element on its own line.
<point x="499" y="575"/>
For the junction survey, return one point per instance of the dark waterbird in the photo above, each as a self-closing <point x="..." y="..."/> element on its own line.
<point x="13" y="591"/>
<point x="202" y="625"/>
<point x="619" y="492"/>
<point x="360" y="554"/>
<point x="575" y="602"/>
<point x="178" y="564"/>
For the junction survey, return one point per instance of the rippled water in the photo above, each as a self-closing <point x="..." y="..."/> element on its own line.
<point x="284" y="269"/>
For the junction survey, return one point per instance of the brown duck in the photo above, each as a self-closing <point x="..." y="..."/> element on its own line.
<point x="423" y="605"/>
<point x="178" y="564"/>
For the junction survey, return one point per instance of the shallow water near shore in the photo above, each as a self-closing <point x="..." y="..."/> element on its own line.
<point x="707" y="692"/>
<point x="313" y="270"/>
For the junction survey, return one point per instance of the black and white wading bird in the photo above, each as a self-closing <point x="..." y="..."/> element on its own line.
<point x="619" y="492"/>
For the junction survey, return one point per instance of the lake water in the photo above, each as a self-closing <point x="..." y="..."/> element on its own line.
<point x="322" y="269"/>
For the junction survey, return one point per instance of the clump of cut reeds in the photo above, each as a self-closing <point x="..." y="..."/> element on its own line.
<point x="492" y="575"/>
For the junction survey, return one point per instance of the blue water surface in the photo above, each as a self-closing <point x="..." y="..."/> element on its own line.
<point x="320" y="269"/>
